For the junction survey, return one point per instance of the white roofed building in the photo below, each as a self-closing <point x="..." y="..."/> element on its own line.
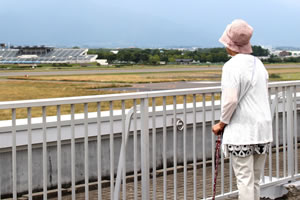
<point x="43" y="54"/>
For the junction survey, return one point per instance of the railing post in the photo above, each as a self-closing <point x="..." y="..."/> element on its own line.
<point x="122" y="160"/>
<point x="290" y="131"/>
<point x="145" y="148"/>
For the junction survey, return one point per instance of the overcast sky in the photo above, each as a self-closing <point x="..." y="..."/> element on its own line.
<point x="145" y="23"/>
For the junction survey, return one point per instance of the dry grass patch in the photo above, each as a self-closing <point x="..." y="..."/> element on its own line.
<point x="26" y="90"/>
<point x="21" y="90"/>
<point x="285" y="77"/>
<point x="284" y="74"/>
<point x="92" y="107"/>
<point x="132" y="77"/>
<point x="156" y="77"/>
<point x="39" y="87"/>
<point x="283" y="70"/>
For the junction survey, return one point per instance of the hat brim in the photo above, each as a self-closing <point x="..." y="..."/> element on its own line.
<point x="228" y="43"/>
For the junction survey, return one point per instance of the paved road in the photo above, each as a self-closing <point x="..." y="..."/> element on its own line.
<point x="144" y="87"/>
<point x="107" y="71"/>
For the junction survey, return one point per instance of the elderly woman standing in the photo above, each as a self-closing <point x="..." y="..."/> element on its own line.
<point x="245" y="110"/>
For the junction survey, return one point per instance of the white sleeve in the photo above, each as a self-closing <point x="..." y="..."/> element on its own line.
<point x="267" y="78"/>
<point x="229" y="104"/>
<point x="230" y="93"/>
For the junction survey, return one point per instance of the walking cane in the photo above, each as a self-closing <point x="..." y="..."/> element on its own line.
<point x="217" y="156"/>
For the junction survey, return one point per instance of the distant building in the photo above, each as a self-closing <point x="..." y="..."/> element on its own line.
<point x="295" y="53"/>
<point x="43" y="54"/>
<point x="183" y="61"/>
<point x="102" y="61"/>
<point x="114" y="51"/>
<point x="263" y="57"/>
<point x="275" y="52"/>
<point x="195" y="62"/>
<point x="285" y="53"/>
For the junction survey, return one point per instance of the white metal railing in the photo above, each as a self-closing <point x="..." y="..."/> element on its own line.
<point x="91" y="152"/>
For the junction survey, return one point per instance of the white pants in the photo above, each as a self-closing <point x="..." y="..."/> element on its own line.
<point x="248" y="172"/>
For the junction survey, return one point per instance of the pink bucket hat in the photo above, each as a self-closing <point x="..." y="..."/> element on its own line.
<point x="237" y="36"/>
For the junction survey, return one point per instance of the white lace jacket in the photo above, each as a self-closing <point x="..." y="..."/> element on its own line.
<point x="245" y="104"/>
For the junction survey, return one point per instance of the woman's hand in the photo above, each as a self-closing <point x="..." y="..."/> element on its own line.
<point x="218" y="128"/>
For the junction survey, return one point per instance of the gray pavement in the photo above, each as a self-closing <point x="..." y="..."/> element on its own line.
<point x="207" y="186"/>
<point x="145" y="87"/>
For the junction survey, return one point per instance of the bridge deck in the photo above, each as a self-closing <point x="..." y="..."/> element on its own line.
<point x="93" y="194"/>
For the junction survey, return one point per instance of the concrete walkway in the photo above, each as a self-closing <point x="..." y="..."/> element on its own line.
<point x="93" y="194"/>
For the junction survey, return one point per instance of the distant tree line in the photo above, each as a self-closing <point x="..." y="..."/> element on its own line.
<point x="259" y="51"/>
<point x="276" y="59"/>
<point x="155" y="56"/>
